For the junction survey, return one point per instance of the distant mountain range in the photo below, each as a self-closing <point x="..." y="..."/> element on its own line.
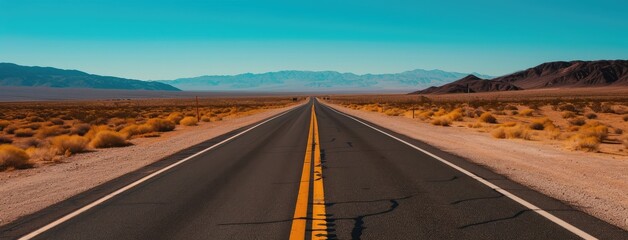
<point x="547" y="75"/>
<point x="16" y="75"/>
<point x="321" y="81"/>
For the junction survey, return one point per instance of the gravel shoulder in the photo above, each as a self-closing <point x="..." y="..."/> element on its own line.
<point x="26" y="191"/>
<point x="591" y="182"/>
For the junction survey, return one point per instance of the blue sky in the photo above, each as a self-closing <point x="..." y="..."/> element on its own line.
<point x="170" y="39"/>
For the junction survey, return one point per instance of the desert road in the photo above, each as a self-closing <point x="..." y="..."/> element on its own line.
<point x="311" y="173"/>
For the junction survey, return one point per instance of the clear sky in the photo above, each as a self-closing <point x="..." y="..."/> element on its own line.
<point x="153" y="39"/>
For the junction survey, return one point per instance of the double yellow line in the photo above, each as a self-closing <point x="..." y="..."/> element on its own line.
<point x="319" y="217"/>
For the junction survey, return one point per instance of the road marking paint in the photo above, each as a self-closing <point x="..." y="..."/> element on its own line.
<point x="319" y="217"/>
<point x="519" y="200"/>
<point x="297" y="231"/>
<point x="138" y="182"/>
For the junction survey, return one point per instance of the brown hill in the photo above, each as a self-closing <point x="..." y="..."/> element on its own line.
<point x="471" y="84"/>
<point x="571" y="74"/>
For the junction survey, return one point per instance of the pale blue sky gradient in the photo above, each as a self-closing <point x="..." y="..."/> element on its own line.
<point x="171" y="39"/>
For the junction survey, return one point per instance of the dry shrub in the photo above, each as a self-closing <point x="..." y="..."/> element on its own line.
<point x="499" y="133"/>
<point x="584" y="143"/>
<point x="425" y="115"/>
<point x="591" y="115"/>
<point x="68" y="145"/>
<point x="455" y="115"/>
<point x="540" y="124"/>
<point x="568" y="114"/>
<point x="618" y="131"/>
<point x="35" y="119"/>
<point x="24" y="132"/>
<point x="440" y="112"/>
<point x="189" y="121"/>
<point x="441" y="121"/>
<point x="216" y="119"/>
<point x="91" y="134"/>
<point x="594" y="129"/>
<point x="33" y="126"/>
<point x="578" y="121"/>
<point x="117" y="121"/>
<point x="80" y="129"/>
<point x="57" y="121"/>
<point x="32" y="142"/>
<point x="526" y="112"/>
<point x="42" y="154"/>
<point x="4" y="124"/>
<point x="488" y="118"/>
<point x="134" y="129"/>
<point x="161" y="125"/>
<point x="109" y="139"/>
<point x="205" y="119"/>
<point x="5" y="140"/>
<point x="517" y="131"/>
<point x="625" y="118"/>
<point x="175" y="117"/>
<point x="589" y="137"/>
<point x="13" y="157"/>
<point x="51" y="131"/>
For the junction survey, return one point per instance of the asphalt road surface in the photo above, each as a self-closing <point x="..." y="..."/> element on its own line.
<point x="311" y="174"/>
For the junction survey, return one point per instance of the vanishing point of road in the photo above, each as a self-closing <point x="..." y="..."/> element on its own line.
<point x="311" y="173"/>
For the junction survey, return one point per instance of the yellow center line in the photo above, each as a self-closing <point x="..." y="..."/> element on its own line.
<point x="299" y="220"/>
<point x="319" y="217"/>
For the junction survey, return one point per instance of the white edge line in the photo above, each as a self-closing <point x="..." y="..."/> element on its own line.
<point x="138" y="182"/>
<point x="519" y="200"/>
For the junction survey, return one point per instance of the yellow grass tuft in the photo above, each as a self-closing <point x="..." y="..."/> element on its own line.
<point x="68" y="145"/>
<point x="488" y="118"/>
<point x="24" y="132"/>
<point x="584" y="143"/>
<point x="517" y="131"/>
<point x="95" y="129"/>
<point x="526" y="112"/>
<point x="441" y="121"/>
<point x="51" y="131"/>
<point x="189" y="121"/>
<point x="134" y="129"/>
<point x="175" y="117"/>
<point x="542" y="123"/>
<point x="13" y="157"/>
<point x="161" y="125"/>
<point x="4" y="124"/>
<point x="109" y="139"/>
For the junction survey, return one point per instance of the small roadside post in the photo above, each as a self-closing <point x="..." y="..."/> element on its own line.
<point x="198" y="116"/>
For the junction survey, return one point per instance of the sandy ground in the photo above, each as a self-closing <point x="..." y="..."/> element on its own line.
<point x="591" y="182"/>
<point x="26" y="191"/>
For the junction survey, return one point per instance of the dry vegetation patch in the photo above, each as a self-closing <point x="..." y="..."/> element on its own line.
<point x="47" y="131"/>
<point x="595" y="122"/>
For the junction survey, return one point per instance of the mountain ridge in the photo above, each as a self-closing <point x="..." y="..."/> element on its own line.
<point x="290" y="80"/>
<point x="558" y="74"/>
<point x="34" y="76"/>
